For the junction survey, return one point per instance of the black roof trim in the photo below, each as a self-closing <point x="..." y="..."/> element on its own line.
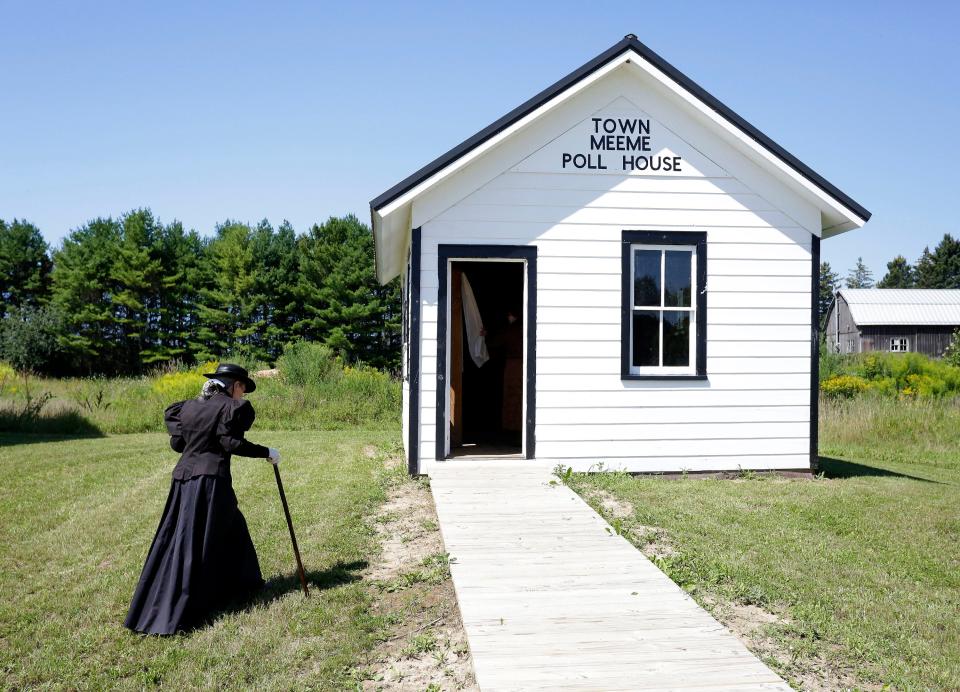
<point x="627" y="43"/>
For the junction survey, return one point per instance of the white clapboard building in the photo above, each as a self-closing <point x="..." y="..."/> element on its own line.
<point x="644" y="263"/>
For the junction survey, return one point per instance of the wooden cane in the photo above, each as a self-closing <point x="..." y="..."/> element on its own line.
<point x="293" y="538"/>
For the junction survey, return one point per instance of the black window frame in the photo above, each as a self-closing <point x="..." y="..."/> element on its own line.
<point x="694" y="238"/>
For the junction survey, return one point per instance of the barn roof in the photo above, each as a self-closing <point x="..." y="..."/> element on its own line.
<point x="906" y="306"/>
<point x="389" y="211"/>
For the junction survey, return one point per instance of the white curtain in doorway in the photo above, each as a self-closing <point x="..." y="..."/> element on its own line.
<point x="471" y="317"/>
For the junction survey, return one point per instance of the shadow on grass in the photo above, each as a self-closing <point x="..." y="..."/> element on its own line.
<point x="341" y="573"/>
<point x="840" y="468"/>
<point x="277" y="587"/>
<point x="16" y="429"/>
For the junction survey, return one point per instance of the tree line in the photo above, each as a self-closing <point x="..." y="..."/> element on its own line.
<point x="937" y="269"/>
<point x="123" y="295"/>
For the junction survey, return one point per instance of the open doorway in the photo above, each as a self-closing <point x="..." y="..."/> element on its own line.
<point x="486" y="358"/>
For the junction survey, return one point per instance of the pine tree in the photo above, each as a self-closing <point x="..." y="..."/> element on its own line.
<point x="860" y="276"/>
<point x="24" y="266"/>
<point x="940" y="268"/>
<point x="899" y="274"/>
<point x="137" y="274"/>
<point x="829" y="283"/>
<point x="344" y="305"/>
<point x="181" y="255"/>
<point x="83" y="290"/>
<point x="275" y="257"/>
<point x="229" y="317"/>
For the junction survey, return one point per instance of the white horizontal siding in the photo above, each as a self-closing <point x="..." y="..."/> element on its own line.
<point x="614" y="216"/>
<point x="759" y="330"/>
<point x="552" y="417"/>
<point x="749" y="284"/>
<point x="610" y="249"/>
<point x="547" y="281"/>
<point x="688" y="463"/>
<point x="688" y="446"/>
<point x="577" y="298"/>
<point x="751" y="412"/>
<point x="616" y="199"/>
<point x="754" y="299"/>
<point x="668" y="398"/>
<point x="642" y="401"/>
<point x="524" y="232"/>
<point x="648" y="432"/>
<point x="717" y="315"/>
<point x="716" y="349"/>
<point x="610" y="365"/>
<point x="513" y="180"/>
<point x="592" y="383"/>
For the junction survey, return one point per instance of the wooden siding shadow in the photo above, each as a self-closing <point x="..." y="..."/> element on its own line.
<point x="840" y="468"/>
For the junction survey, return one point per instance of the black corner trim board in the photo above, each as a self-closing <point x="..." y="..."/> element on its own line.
<point x="628" y="43"/>
<point x="815" y="354"/>
<point x="413" y="420"/>
<point x="697" y="238"/>
<point x="445" y="253"/>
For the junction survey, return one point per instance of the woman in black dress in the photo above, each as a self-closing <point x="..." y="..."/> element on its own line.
<point x="202" y="556"/>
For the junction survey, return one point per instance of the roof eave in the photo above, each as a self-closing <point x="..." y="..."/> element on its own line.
<point x="846" y="214"/>
<point x="630" y="42"/>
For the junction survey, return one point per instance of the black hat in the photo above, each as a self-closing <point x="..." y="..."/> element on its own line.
<point x="231" y="372"/>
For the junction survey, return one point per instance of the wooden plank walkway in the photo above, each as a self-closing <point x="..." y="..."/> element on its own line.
<point x="552" y="598"/>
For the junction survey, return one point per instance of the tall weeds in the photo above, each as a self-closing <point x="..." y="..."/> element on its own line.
<point x="921" y="430"/>
<point x="313" y="391"/>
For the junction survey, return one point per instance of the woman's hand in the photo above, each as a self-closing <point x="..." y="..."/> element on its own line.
<point x="274" y="457"/>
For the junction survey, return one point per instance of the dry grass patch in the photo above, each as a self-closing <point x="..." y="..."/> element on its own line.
<point x="424" y="646"/>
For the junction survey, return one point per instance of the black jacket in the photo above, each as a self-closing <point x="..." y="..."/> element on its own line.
<point x="208" y="432"/>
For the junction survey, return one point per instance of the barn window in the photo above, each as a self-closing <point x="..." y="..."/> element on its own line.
<point x="663" y="331"/>
<point x="899" y="344"/>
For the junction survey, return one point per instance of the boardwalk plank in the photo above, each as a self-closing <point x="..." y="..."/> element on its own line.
<point x="552" y="598"/>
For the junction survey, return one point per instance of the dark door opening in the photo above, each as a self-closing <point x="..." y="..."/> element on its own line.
<point x="487" y="398"/>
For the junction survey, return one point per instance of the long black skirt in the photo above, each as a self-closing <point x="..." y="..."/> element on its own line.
<point x="201" y="559"/>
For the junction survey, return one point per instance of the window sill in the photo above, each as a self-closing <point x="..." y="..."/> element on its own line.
<point x="663" y="377"/>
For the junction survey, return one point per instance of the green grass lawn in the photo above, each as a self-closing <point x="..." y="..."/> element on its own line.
<point x="76" y="520"/>
<point x="862" y="565"/>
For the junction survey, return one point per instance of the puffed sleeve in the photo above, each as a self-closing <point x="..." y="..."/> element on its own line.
<point x="235" y="421"/>
<point x="171" y="417"/>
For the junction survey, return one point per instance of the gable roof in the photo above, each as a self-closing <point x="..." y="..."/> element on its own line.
<point x="839" y="212"/>
<point x="903" y="306"/>
<point x="629" y="42"/>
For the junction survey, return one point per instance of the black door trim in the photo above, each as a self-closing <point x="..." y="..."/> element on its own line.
<point x="493" y="252"/>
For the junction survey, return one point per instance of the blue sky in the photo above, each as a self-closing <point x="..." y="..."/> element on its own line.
<point x="299" y="111"/>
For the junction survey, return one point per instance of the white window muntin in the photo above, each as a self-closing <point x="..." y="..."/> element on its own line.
<point x="900" y="344"/>
<point x="691" y="368"/>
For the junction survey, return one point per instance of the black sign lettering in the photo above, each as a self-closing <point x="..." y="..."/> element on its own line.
<point x="622" y="134"/>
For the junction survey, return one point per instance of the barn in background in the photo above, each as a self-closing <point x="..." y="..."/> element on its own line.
<point x="621" y="270"/>
<point x="920" y="320"/>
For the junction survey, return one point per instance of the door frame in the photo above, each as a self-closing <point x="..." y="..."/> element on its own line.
<point x="526" y="254"/>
